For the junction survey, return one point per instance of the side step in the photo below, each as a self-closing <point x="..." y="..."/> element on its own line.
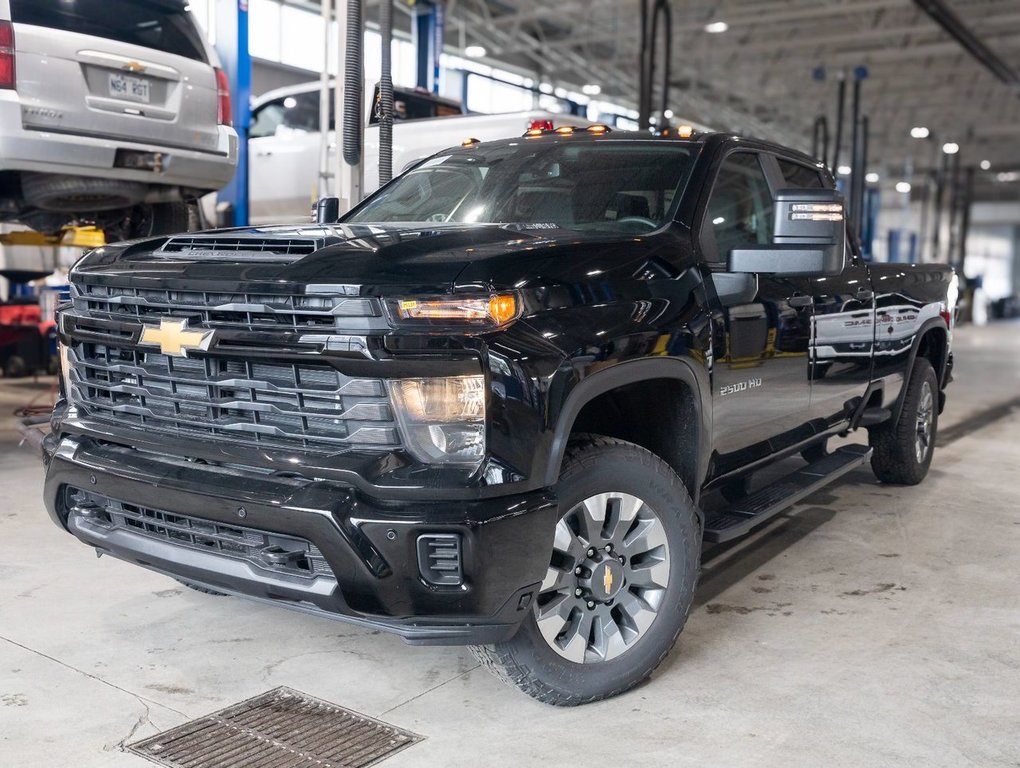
<point x="755" y="509"/>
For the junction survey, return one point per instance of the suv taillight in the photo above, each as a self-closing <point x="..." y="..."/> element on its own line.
<point x="6" y="54"/>
<point x="223" y="112"/>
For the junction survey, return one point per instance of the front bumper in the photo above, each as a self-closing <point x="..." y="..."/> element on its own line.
<point x="369" y="545"/>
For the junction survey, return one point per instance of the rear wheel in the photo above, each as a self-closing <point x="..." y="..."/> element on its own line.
<point x="620" y="582"/>
<point x="903" y="450"/>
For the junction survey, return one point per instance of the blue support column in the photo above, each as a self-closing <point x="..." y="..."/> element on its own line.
<point x="232" y="48"/>
<point x="429" y="30"/>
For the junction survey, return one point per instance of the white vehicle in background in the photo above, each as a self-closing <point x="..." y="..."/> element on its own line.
<point x="284" y="141"/>
<point x="112" y="112"/>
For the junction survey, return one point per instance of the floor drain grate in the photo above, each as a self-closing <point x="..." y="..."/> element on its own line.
<point x="281" y="728"/>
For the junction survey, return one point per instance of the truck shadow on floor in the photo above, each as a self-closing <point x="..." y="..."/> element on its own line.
<point x="728" y="564"/>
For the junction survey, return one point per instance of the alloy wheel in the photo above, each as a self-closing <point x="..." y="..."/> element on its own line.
<point x="606" y="580"/>
<point x="925" y="423"/>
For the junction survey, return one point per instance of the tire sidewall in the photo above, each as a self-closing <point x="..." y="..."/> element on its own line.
<point x="626" y="469"/>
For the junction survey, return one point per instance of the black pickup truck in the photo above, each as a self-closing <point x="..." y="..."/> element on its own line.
<point x="489" y="405"/>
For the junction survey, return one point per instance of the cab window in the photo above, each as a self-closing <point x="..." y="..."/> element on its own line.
<point x="740" y="207"/>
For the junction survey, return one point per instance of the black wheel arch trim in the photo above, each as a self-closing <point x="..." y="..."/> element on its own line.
<point x="935" y="323"/>
<point x="633" y="372"/>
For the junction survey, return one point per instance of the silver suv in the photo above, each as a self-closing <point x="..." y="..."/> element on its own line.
<point x="113" y="112"/>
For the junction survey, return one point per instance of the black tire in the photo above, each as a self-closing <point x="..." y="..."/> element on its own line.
<point x="79" y="194"/>
<point x="903" y="450"/>
<point x="816" y="452"/>
<point x="15" y="367"/>
<point x="596" y="465"/>
<point x="198" y="588"/>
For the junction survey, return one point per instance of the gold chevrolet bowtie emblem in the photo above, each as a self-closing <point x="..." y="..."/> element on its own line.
<point x="607" y="581"/>
<point x="173" y="337"/>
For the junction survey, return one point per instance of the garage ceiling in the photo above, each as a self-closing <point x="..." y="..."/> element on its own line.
<point x="758" y="77"/>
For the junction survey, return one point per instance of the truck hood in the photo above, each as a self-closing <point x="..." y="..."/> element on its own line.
<point x="374" y="259"/>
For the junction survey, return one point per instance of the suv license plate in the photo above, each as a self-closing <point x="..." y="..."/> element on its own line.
<point x="132" y="88"/>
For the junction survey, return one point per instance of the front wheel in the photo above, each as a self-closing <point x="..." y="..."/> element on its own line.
<point x="620" y="581"/>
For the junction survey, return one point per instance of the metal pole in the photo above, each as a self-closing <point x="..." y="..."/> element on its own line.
<point x="663" y="5"/>
<point x="840" y="108"/>
<point x="954" y="209"/>
<point x="968" y="202"/>
<point x="322" y="188"/>
<point x="855" y="150"/>
<point x="940" y="183"/>
<point x="232" y="47"/>
<point x="350" y="177"/>
<point x="644" y="78"/>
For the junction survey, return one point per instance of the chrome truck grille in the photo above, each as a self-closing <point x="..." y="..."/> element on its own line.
<point x="279" y="405"/>
<point x="302" y="312"/>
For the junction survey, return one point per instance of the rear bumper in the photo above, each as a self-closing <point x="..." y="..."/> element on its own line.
<point x="81" y="155"/>
<point x="369" y="545"/>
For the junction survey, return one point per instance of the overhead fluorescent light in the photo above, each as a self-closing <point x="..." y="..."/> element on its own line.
<point x="950" y="147"/>
<point x="843" y="170"/>
<point x="871" y="178"/>
<point x="903" y="187"/>
<point x="919" y="132"/>
<point x="986" y="165"/>
<point x="716" y="27"/>
<point x="475" y="51"/>
<point x="592" y="89"/>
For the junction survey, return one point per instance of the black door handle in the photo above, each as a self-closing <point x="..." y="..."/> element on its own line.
<point x="800" y="300"/>
<point x="864" y="294"/>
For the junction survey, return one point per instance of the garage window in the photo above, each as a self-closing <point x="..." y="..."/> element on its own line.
<point x="163" y="26"/>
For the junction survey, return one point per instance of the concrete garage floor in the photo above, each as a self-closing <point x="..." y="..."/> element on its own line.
<point x="871" y="626"/>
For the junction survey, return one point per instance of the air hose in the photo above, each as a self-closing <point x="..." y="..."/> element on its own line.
<point x="386" y="94"/>
<point x="354" y="75"/>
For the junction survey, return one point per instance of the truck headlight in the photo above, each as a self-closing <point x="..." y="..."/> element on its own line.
<point x="482" y="312"/>
<point x="442" y="419"/>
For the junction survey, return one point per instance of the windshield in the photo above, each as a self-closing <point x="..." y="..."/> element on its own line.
<point x="607" y="186"/>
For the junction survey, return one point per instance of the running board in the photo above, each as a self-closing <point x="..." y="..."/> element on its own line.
<point x="762" y="505"/>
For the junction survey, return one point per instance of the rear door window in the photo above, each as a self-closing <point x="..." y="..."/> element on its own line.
<point x="162" y="25"/>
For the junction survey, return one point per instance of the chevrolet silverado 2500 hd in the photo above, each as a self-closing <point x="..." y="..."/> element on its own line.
<point x="485" y="406"/>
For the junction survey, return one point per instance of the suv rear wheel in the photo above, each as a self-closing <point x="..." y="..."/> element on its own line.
<point x="620" y="582"/>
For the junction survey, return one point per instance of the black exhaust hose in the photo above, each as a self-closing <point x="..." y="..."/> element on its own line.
<point x="354" y="76"/>
<point x="386" y="94"/>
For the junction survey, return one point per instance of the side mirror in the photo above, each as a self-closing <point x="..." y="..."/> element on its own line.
<point x="809" y="237"/>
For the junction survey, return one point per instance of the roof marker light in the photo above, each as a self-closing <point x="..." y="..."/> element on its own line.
<point x="685" y="131"/>
<point x="598" y="129"/>
<point x="469" y="142"/>
<point x="565" y="130"/>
